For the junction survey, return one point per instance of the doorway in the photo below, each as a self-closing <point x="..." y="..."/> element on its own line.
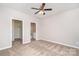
<point x="33" y="31"/>
<point x="17" y="31"/>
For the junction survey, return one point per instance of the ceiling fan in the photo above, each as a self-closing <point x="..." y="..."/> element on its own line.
<point x="42" y="10"/>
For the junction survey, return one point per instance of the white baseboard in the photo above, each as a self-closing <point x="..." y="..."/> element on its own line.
<point x="26" y="42"/>
<point x="5" y="47"/>
<point x="62" y="44"/>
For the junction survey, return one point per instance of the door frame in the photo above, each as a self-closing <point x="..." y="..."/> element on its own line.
<point x="36" y="30"/>
<point x="22" y="28"/>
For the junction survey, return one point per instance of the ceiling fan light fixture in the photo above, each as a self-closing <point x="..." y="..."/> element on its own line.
<point x="41" y="12"/>
<point x="42" y="9"/>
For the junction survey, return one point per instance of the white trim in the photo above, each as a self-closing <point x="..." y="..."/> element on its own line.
<point x="61" y="43"/>
<point x="13" y="19"/>
<point x="5" y="47"/>
<point x="26" y="42"/>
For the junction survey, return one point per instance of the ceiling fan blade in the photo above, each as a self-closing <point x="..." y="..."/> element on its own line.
<point x="35" y="8"/>
<point x="42" y="7"/>
<point x="37" y="12"/>
<point x="48" y="9"/>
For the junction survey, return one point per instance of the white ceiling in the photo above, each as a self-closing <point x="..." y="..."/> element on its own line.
<point x="26" y="7"/>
